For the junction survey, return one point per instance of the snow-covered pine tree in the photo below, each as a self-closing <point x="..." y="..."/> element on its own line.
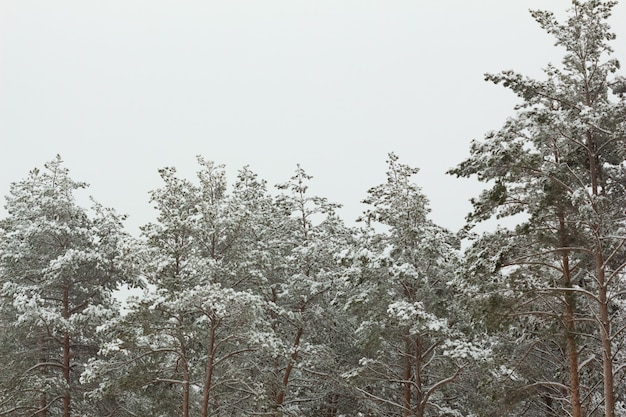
<point x="306" y="377"/>
<point x="561" y="162"/>
<point x="59" y="265"/>
<point x="190" y="344"/>
<point x="413" y="350"/>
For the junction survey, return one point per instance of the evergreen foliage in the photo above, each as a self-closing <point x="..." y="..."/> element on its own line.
<point x="259" y="302"/>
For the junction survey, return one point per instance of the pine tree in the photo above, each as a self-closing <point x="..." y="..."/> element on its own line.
<point x="413" y="348"/>
<point x="560" y="163"/>
<point x="189" y="344"/>
<point x="306" y="376"/>
<point x="59" y="266"/>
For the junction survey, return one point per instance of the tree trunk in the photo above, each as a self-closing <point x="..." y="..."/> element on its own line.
<point x="43" y="405"/>
<point x="280" y="396"/>
<point x="605" y="324"/>
<point x="208" y="376"/>
<point x="43" y="358"/>
<point x="572" y="353"/>
<point x="421" y="401"/>
<point x="67" y="399"/>
<point x="406" y="376"/>
<point x="332" y="399"/>
<point x="605" y="337"/>
<point x="570" y="334"/>
<point x="549" y="405"/>
<point x="185" y="372"/>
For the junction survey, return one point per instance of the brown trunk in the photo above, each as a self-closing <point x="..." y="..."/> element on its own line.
<point x="421" y="403"/>
<point x="185" y="372"/>
<point x="605" y="324"/>
<point x="570" y="334"/>
<point x="605" y="337"/>
<point x="406" y="377"/>
<point x="43" y="358"/>
<point x="43" y="405"/>
<point x="572" y="353"/>
<point x="280" y="397"/>
<point x="208" y="376"/>
<point x="67" y="400"/>
<point x="332" y="400"/>
<point x="549" y="405"/>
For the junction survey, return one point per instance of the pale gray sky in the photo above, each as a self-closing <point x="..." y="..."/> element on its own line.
<point x="121" y="88"/>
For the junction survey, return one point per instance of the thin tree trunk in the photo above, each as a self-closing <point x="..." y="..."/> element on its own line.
<point x="406" y="376"/>
<point x="185" y="372"/>
<point x="605" y="337"/>
<point x="549" y="405"/>
<point x="332" y="399"/>
<point x="572" y="353"/>
<point x="570" y="334"/>
<point x="208" y="376"/>
<point x="43" y="358"/>
<point x="280" y="397"/>
<point x="43" y="405"/>
<point x="67" y="399"/>
<point x="605" y="324"/>
<point x="421" y="403"/>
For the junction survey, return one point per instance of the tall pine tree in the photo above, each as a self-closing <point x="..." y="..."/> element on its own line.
<point x="561" y="162"/>
<point x="59" y="265"/>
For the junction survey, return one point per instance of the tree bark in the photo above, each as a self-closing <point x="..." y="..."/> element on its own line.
<point x="603" y="308"/>
<point x="43" y="358"/>
<point x="549" y="405"/>
<point x="280" y="396"/>
<point x="421" y="401"/>
<point x="570" y="334"/>
<point x="208" y="376"/>
<point x="406" y="376"/>
<point x="67" y="397"/>
<point x="332" y="399"/>
<point x="605" y="337"/>
<point x="572" y="353"/>
<point x="185" y="372"/>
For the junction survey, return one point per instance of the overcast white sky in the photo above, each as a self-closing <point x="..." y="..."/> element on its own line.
<point x="121" y="88"/>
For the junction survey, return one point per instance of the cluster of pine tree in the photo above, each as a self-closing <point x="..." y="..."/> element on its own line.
<point x="260" y="303"/>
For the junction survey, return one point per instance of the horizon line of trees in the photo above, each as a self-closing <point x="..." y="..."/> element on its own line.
<point x="260" y="303"/>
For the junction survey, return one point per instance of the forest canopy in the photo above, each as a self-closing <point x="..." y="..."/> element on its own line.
<point x="251" y="300"/>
